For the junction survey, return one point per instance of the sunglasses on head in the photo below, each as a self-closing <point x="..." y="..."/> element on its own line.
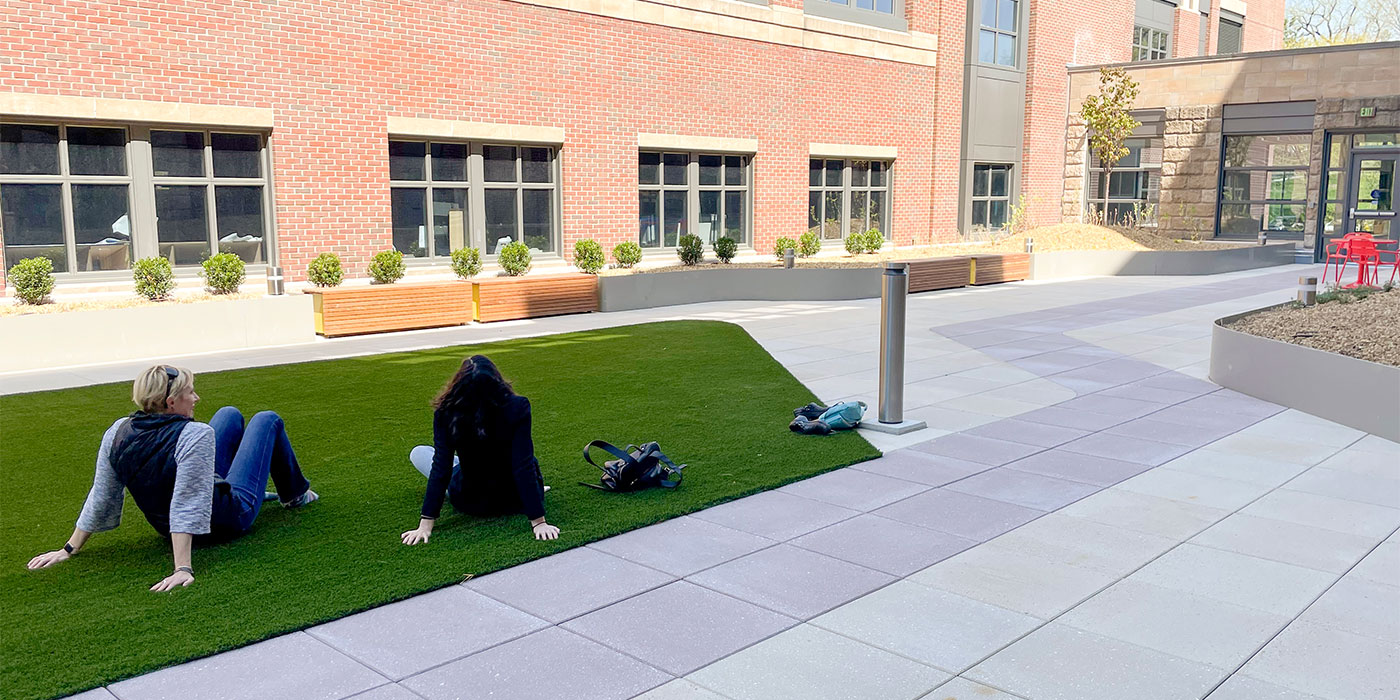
<point x="170" y="376"/>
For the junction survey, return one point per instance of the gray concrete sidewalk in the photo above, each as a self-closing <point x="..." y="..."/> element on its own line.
<point x="1086" y="517"/>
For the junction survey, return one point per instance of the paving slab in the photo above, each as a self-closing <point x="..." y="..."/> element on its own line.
<point x="977" y="449"/>
<point x="792" y="581"/>
<point x="1014" y="580"/>
<point x="935" y="627"/>
<point x="964" y="689"/>
<point x="1268" y="447"/>
<point x="1181" y="414"/>
<point x="1085" y="543"/>
<point x="854" y="489"/>
<point x="1028" y="432"/>
<point x="1024" y="488"/>
<point x="1058" y="662"/>
<point x="569" y="583"/>
<point x="1124" y="409"/>
<point x="1377" y="445"/>
<point x="1072" y="418"/>
<point x="681" y="689"/>
<point x="1210" y="491"/>
<point x="549" y="664"/>
<point x="808" y="663"/>
<point x="1242" y="687"/>
<point x="1329" y="663"/>
<point x="1063" y="464"/>
<point x="1382" y="565"/>
<point x="392" y="691"/>
<point x="404" y="638"/>
<point x="921" y="467"/>
<point x="891" y="546"/>
<point x="296" y="665"/>
<point x="1125" y="448"/>
<point x="961" y="514"/>
<point x="1351" y="486"/>
<point x="680" y="626"/>
<point x="1269" y="586"/>
<point x="1226" y="401"/>
<point x="1290" y="543"/>
<point x="1298" y="426"/>
<point x="94" y="694"/>
<point x="705" y="545"/>
<point x="1360" y="607"/>
<point x="1237" y="467"/>
<point x="1171" y="433"/>
<point x="1326" y="512"/>
<point x="1153" y="515"/>
<point x="776" y="515"/>
<point x="1358" y="461"/>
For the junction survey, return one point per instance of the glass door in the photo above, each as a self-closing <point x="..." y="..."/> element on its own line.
<point x="1371" y="194"/>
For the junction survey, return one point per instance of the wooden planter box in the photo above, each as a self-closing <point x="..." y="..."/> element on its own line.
<point x="508" y="298"/>
<point x="382" y="308"/>
<point x="1002" y="267"/>
<point x="929" y="274"/>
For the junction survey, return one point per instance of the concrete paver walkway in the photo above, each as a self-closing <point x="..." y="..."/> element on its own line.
<point x="1086" y="517"/>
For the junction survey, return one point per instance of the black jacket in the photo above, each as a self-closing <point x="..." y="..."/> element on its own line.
<point x="499" y="474"/>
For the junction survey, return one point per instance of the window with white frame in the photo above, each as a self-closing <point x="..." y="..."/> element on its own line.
<point x="848" y="196"/>
<point x="66" y="193"/>
<point x="1149" y="44"/>
<point x="1129" y="194"/>
<point x="991" y="196"/>
<point x="701" y="193"/>
<point x="446" y="195"/>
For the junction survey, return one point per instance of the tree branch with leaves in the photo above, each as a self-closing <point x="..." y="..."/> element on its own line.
<point x="1108" y="117"/>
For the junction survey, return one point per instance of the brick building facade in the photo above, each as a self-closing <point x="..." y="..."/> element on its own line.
<point x="266" y="128"/>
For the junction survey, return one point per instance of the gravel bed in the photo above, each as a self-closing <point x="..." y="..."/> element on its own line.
<point x="1367" y="329"/>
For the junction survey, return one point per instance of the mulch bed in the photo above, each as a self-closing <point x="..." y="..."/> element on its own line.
<point x="1367" y="329"/>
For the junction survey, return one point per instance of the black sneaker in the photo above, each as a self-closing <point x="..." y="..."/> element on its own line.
<point x="802" y="425"/>
<point x="811" y="411"/>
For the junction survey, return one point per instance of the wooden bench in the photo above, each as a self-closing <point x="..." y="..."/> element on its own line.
<point x="1001" y="267"/>
<point x="508" y="298"/>
<point x="382" y="308"/>
<point x="928" y="274"/>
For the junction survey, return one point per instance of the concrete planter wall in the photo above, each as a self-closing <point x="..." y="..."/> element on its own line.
<point x="1356" y="393"/>
<point x="1086" y="263"/>
<point x="46" y="341"/>
<point x="649" y="290"/>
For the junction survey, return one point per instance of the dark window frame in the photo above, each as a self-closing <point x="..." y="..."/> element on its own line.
<point x="984" y="201"/>
<point x="1151" y="43"/>
<point x="1145" y="195"/>
<point x="996" y="32"/>
<point x="1270" y="204"/>
<point x="846" y="188"/>
<point x="692" y="189"/>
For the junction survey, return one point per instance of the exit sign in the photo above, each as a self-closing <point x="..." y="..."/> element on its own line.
<point x="1368" y="111"/>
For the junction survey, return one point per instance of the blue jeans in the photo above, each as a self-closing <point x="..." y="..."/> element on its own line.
<point x="245" y="458"/>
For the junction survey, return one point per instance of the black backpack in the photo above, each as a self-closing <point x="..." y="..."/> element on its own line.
<point x="635" y="469"/>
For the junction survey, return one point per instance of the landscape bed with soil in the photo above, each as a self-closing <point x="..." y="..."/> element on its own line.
<point x="1364" y="325"/>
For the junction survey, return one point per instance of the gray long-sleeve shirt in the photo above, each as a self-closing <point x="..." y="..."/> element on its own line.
<point x="192" y="501"/>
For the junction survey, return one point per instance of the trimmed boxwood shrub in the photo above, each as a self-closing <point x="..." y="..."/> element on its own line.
<point x="154" y="278"/>
<point x="726" y="248"/>
<point x="32" y="279"/>
<point x="627" y="254"/>
<point x="874" y="240"/>
<point x="325" y="271"/>
<point x="387" y="267"/>
<point x="588" y="256"/>
<point x="514" y="258"/>
<point x="466" y="262"/>
<point x="223" y="273"/>
<point x="691" y="249"/>
<point x="808" y="244"/>
<point x="855" y="243"/>
<point x="782" y="244"/>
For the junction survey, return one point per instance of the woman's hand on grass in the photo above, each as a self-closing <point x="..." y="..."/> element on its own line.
<point x="419" y="535"/>
<point x="47" y="559"/>
<point x="545" y="531"/>
<point x="178" y="579"/>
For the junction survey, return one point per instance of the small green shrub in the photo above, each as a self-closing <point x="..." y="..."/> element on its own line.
<point x="874" y="240"/>
<point x="387" y="267"/>
<point x="514" y="258"/>
<point x="808" y="244"/>
<point x="223" y="273"/>
<point x="325" y="271"/>
<point x="466" y="262"/>
<point x="33" y="280"/>
<point x="783" y="244"/>
<point x="627" y="254"/>
<point x="726" y="248"/>
<point x="855" y="243"/>
<point x="691" y="250"/>
<point x="588" y="256"/>
<point x="154" y="278"/>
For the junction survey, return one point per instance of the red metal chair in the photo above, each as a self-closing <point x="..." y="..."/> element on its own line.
<point x="1358" y="247"/>
<point x="1394" y="262"/>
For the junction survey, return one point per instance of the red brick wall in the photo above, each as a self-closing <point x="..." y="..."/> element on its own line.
<point x="951" y="28"/>
<point x="1263" y="25"/>
<point x="1059" y="38"/>
<point x="334" y="71"/>
<point x="1186" y="33"/>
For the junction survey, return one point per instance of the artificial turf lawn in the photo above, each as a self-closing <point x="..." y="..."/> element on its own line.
<point x="705" y="390"/>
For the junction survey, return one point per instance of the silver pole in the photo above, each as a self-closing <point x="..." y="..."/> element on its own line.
<point x="1307" y="291"/>
<point x="788" y="257"/>
<point x="893" y="290"/>
<point x="274" y="281"/>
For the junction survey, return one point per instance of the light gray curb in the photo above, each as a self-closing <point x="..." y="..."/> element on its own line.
<point x="1087" y="263"/>
<point x="1356" y="393"/>
<point x="650" y="290"/>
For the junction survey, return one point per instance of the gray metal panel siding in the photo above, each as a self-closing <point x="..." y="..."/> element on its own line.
<point x="1269" y="117"/>
<point x="1156" y="14"/>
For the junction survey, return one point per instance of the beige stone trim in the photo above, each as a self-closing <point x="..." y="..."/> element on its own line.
<point x="69" y="107"/>
<point x="1236" y="6"/>
<point x="681" y="142"/>
<point x="474" y="131"/>
<point x="771" y="24"/>
<point x="845" y="150"/>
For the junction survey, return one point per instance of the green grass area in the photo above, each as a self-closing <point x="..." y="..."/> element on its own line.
<point x="705" y="390"/>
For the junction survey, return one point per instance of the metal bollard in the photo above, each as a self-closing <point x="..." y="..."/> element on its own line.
<point x="1030" y="244"/>
<point x="894" y="289"/>
<point x="1263" y="238"/>
<point x="1307" y="291"/>
<point x="789" y="257"/>
<point x="275" y="286"/>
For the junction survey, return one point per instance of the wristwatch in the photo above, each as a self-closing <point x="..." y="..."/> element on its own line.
<point x="185" y="569"/>
<point x="68" y="548"/>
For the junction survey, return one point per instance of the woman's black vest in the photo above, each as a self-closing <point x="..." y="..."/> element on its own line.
<point x="143" y="456"/>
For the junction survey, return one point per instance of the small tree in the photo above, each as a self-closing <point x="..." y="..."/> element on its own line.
<point x="325" y="271"/>
<point x="588" y="256"/>
<point x="1107" y="117"/>
<point x="32" y="279"/>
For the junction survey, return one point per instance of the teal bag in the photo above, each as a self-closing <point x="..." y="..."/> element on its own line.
<point x="844" y="415"/>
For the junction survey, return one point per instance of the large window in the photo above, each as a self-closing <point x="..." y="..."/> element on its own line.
<point x="1129" y="194"/>
<point x="991" y="196"/>
<point x="888" y="14"/>
<point x="848" y="196"/>
<point x="704" y="194"/>
<point x="1149" y="44"/>
<point x="996" y="36"/>
<point x="450" y="195"/>
<point x="66" y="194"/>
<point x="1264" y="184"/>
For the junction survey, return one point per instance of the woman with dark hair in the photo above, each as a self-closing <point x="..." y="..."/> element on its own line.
<point x="480" y="422"/>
